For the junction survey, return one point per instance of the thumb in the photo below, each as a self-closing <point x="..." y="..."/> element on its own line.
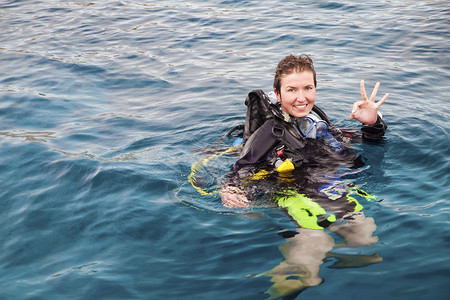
<point x="355" y="109"/>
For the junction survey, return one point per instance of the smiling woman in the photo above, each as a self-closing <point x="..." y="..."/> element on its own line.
<point x="295" y="85"/>
<point x="297" y="93"/>
<point x="292" y="161"/>
<point x="295" y="88"/>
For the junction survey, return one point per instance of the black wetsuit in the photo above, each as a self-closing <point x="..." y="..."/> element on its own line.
<point x="316" y="163"/>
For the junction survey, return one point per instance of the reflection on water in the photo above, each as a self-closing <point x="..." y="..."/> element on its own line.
<point x="307" y="249"/>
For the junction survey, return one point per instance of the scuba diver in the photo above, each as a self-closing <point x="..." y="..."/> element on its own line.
<point x="287" y="139"/>
<point x="293" y="157"/>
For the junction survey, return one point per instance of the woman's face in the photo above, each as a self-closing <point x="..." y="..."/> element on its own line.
<point x="297" y="93"/>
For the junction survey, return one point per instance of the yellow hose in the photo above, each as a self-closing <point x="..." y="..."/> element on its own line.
<point x="201" y="163"/>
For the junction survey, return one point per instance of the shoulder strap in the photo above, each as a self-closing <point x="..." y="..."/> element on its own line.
<point x="259" y="110"/>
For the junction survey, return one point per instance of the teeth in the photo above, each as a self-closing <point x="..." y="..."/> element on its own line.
<point x="300" y="106"/>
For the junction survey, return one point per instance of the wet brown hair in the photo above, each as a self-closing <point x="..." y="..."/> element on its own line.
<point x="291" y="64"/>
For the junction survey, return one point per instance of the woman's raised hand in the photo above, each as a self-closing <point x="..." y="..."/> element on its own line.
<point x="366" y="110"/>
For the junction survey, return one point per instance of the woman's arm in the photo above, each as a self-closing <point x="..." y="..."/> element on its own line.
<point x="255" y="151"/>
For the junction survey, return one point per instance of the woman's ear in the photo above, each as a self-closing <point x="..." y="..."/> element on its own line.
<point x="278" y="95"/>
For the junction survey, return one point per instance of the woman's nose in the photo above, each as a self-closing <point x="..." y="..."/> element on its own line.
<point x="301" y="95"/>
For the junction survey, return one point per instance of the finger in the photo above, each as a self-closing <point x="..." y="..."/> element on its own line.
<point x="356" y="106"/>
<point x="238" y="202"/>
<point x="382" y="100"/>
<point x="355" y="109"/>
<point x="374" y="92"/>
<point x="230" y="201"/>
<point x="363" y="90"/>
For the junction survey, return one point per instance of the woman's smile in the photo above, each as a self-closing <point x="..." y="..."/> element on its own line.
<point x="297" y="93"/>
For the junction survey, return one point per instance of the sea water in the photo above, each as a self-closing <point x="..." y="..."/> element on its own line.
<point x="104" y="106"/>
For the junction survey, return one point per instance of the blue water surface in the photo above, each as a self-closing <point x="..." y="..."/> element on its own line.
<point x="105" y="104"/>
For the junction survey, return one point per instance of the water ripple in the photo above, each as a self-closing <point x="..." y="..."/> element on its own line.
<point x="105" y="105"/>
